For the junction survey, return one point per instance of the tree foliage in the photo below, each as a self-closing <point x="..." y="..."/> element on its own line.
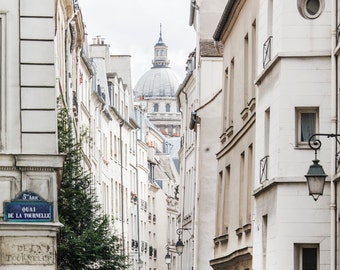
<point x="86" y="240"/>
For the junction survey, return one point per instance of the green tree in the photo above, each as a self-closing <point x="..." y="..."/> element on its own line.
<point x="86" y="240"/>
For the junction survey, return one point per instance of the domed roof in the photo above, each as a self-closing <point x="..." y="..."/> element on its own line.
<point x="157" y="82"/>
<point x="160" y="80"/>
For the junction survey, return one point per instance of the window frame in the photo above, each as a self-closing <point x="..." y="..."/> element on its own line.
<point x="302" y="7"/>
<point x="298" y="112"/>
<point x="299" y="254"/>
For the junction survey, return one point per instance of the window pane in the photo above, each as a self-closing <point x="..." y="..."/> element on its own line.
<point x="309" y="259"/>
<point x="313" y="6"/>
<point x="308" y="123"/>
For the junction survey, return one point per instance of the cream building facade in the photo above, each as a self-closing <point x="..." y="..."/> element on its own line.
<point x="200" y="99"/>
<point x="30" y="163"/>
<point x="285" y="71"/>
<point x="235" y="156"/>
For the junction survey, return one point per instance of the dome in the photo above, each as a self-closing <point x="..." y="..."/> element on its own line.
<point x="160" y="80"/>
<point x="157" y="82"/>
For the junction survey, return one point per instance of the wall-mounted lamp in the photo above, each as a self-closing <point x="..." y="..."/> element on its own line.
<point x="179" y="245"/>
<point x="167" y="256"/>
<point x="316" y="176"/>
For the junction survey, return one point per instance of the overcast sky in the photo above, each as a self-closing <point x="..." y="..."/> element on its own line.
<point x="132" y="27"/>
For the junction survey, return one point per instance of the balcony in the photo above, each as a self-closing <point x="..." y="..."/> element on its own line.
<point x="267" y="48"/>
<point x="264" y="169"/>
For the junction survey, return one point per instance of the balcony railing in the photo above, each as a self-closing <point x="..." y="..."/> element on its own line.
<point x="264" y="169"/>
<point x="267" y="48"/>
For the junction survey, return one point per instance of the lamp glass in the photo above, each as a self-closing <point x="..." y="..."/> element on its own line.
<point x="167" y="258"/>
<point x="140" y="263"/>
<point x="179" y="247"/>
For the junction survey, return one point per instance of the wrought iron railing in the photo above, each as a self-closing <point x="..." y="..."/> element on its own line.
<point x="264" y="169"/>
<point x="267" y="48"/>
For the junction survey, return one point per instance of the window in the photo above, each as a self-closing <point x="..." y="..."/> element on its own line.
<point x="306" y="257"/>
<point x="310" y="9"/>
<point x="155" y="107"/>
<point x="167" y="107"/>
<point x="307" y="124"/>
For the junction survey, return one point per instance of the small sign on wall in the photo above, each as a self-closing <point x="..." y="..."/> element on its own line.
<point x="28" y="207"/>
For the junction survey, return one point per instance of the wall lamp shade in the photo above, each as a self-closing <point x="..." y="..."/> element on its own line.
<point x="179" y="247"/>
<point x="167" y="258"/>
<point x="315" y="179"/>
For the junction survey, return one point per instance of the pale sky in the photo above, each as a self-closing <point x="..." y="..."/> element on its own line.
<point x="132" y="27"/>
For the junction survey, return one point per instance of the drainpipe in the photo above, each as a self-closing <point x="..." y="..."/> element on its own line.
<point x="198" y="52"/>
<point x="121" y="124"/>
<point x="138" y="203"/>
<point x="197" y="196"/>
<point x="333" y="130"/>
<point x="198" y="98"/>
<point x="184" y="111"/>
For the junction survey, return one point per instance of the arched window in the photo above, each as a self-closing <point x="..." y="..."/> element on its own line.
<point x="155" y="107"/>
<point x="167" y="107"/>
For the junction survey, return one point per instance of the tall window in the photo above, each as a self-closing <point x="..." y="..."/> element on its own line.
<point x="270" y="18"/>
<point x="306" y="124"/>
<point x="225" y="98"/>
<point x="253" y="59"/>
<point x="246" y="71"/>
<point x="231" y="93"/>
<point x="156" y="107"/>
<point x="167" y="107"/>
<point x="2" y="64"/>
<point x="226" y="199"/>
<point x="266" y="131"/>
<point x="242" y="188"/>
<point x="264" y="241"/>
<point x="219" y="216"/>
<point x="249" y="184"/>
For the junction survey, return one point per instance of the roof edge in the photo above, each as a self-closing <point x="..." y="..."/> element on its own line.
<point x="192" y="12"/>
<point x="224" y="19"/>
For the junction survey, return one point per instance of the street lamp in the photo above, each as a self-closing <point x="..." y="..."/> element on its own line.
<point x="167" y="256"/>
<point x="179" y="245"/>
<point x="316" y="175"/>
<point x="140" y="263"/>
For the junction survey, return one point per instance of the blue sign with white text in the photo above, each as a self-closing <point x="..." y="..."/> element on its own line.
<point x="28" y="207"/>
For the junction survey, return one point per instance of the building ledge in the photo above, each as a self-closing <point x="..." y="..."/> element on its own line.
<point x="282" y="55"/>
<point x="232" y="258"/>
<point x="268" y="184"/>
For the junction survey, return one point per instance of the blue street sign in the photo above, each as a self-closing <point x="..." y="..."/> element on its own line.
<point x="28" y="207"/>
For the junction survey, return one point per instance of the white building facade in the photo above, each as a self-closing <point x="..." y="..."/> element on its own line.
<point x="30" y="164"/>
<point x="200" y="99"/>
<point x="294" y="101"/>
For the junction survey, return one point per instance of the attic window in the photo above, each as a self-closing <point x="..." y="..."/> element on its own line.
<point x="311" y="9"/>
